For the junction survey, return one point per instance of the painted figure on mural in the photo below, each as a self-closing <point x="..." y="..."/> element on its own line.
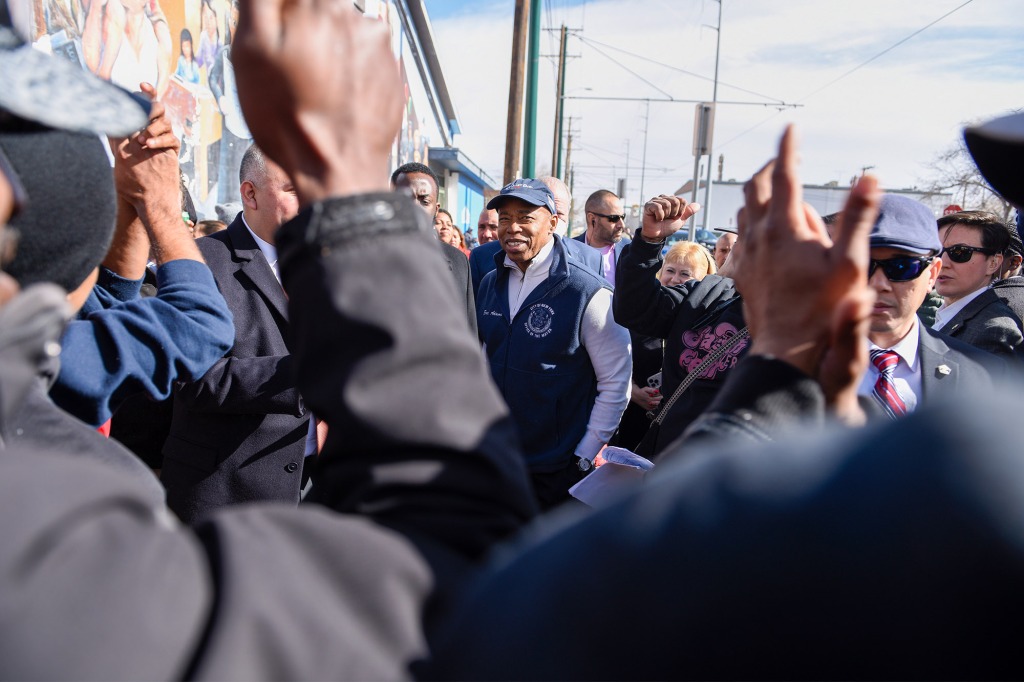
<point x="188" y="67"/>
<point x="209" y="35"/>
<point x="235" y="138"/>
<point x="128" y="42"/>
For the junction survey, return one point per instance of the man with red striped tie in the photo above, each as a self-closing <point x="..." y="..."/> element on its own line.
<point x="910" y="362"/>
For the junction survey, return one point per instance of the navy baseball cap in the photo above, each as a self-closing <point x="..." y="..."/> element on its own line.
<point x="997" y="147"/>
<point x="529" y="190"/>
<point x="907" y="225"/>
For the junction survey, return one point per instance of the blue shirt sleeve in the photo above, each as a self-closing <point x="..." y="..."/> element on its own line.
<point x="142" y="344"/>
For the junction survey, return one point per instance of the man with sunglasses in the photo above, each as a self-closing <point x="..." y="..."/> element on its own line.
<point x="910" y="362"/>
<point x="973" y="243"/>
<point x="606" y="223"/>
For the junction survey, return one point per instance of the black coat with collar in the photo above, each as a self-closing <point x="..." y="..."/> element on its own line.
<point x="989" y="324"/>
<point x="458" y="265"/>
<point x="238" y="433"/>
<point x="1011" y="290"/>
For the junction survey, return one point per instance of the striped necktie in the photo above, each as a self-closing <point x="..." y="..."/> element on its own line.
<point x="885" y="362"/>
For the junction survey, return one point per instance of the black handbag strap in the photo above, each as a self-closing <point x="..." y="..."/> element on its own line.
<point x="710" y="359"/>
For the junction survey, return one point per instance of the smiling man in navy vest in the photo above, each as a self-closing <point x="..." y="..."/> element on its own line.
<point x="555" y="351"/>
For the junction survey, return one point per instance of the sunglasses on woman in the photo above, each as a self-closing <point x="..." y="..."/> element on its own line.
<point x="961" y="253"/>
<point x="900" y="268"/>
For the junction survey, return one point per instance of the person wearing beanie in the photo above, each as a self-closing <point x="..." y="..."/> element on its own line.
<point x="911" y="363"/>
<point x="973" y="248"/>
<point x="119" y="344"/>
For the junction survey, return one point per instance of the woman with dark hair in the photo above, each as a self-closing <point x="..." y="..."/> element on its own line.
<point x="188" y="67"/>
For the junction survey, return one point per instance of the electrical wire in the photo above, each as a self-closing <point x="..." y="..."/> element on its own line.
<point x="885" y="51"/>
<point x="679" y="70"/>
<point x="625" y="68"/>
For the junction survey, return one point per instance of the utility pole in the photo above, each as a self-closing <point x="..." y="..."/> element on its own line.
<point x="714" y="105"/>
<point x="627" y="168"/>
<point x="568" y="180"/>
<point x="643" y="164"/>
<point x="568" y="153"/>
<point x="530" y="136"/>
<point x="556" y="155"/>
<point x="515" y="92"/>
<point x="572" y="184"/>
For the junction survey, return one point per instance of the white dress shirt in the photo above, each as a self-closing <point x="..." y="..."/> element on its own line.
<point x="268" y="249"/>
<point x="946" y="313"/>
<point x="907" y="374"/>
<point x="607" y="344"/>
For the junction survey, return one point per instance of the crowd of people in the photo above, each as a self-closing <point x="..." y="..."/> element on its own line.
<point x="367" y="432"/>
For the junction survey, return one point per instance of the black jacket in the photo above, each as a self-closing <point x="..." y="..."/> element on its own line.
<point x="694" y="318"/>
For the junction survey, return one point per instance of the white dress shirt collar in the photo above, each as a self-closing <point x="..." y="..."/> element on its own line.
<point x="268" y="249"/>
<point x="946" y="313"/>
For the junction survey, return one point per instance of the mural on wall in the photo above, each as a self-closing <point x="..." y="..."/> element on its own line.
<point x="183" y="48"/>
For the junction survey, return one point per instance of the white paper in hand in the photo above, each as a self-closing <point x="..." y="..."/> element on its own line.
<point x="623" y="470"/>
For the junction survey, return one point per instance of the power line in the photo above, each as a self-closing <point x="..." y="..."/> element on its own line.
<point x="625" y="68"/>
<point x="856" y="68"/>
<point x="676" y="68"/>
<point x="886" y="51"/>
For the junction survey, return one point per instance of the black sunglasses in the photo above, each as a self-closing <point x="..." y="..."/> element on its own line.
<point x="612" y="218"/>
<point x="961" y="253"/>
<point x="900" y="268"/>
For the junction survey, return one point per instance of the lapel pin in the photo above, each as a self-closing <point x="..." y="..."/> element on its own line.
<point x="943" y="370"/>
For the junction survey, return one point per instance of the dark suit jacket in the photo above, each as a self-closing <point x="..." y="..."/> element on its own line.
<point x="481" y="259"/>
<point x="238" y="433"/>
<point x="987" y="323"/>
<point x="458" y="265"/>
<point x="950" y="366"/>
<point x="619" y="245"/>
<point x="1011" y="290"/>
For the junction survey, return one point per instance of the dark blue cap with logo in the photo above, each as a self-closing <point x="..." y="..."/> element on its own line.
<point x="907" y="225"/>
<point x="529" y="190"/>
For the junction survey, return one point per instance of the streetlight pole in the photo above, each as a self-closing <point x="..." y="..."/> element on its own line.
<point x="556" y="161"/>
<point x="714" y="103"/>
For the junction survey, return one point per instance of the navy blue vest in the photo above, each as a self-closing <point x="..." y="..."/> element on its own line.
<point x="537" y="358"/>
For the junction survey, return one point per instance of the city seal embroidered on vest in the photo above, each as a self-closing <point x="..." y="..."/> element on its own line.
<point x="538" y="322"/>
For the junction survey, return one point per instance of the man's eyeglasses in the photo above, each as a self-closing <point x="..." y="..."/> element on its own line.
<point x="961" y="253"/>
<point x="901" y="268"/>
<point x="612" y="218"/>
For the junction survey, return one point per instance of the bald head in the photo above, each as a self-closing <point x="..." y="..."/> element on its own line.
<point x="487" y="226"/>
<point x="562" y="197"/>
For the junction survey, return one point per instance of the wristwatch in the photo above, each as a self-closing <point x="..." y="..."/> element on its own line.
<point x="584" y="464"/>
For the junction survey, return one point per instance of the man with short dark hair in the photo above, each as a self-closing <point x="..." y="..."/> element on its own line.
<point x="973" y="243"/>
<point x="555" y="351"/>
<point x="606" y="224"/>
<point x="423" y="184"/>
